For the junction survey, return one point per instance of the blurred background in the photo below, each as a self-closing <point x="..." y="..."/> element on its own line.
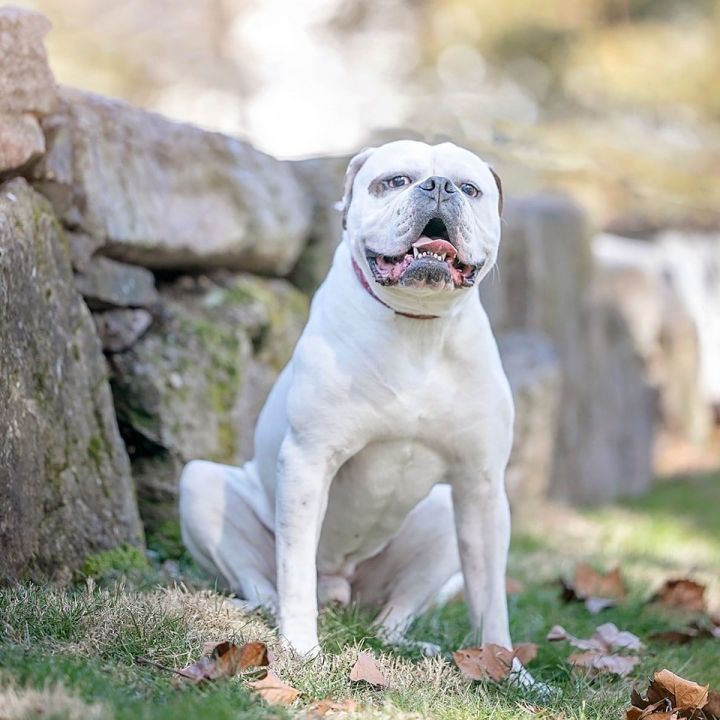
<point x="615" y="101"/>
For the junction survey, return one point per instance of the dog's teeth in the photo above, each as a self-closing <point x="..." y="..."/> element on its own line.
<point x="416" y="252"/>
<point x="442" y="257"/>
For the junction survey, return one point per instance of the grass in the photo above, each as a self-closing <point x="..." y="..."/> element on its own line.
<point x="70" y="652"/>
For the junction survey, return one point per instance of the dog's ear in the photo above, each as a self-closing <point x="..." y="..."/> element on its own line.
<point x="352" y="170"/>
<point x="498" y="182"/>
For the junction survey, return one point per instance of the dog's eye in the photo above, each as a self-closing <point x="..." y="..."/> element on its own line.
<point x="469" y="189"/>
<point x="398" y="181"/>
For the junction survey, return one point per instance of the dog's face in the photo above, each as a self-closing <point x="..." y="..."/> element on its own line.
<point x="422" y="217"/>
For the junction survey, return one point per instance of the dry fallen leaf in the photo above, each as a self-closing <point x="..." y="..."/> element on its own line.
<point x="601" y="649"/>
<point x="597" y="590"/>
<point x="598" y="662"/>
<point x="712" y="708"/>
<point x="607" y="637"/>
<point x="682" y="594"/>
<point x="273" y="690"/>
<point x="684" y="694"/>
<point x="492" y="662"/>
<point x="670" y="696"/>
<point x="224" y="659"/>
<point x="366" y="670"/>
<point x="322" y="708"/>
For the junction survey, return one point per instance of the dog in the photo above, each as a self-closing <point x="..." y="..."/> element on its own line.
<point x="380" y="453"/>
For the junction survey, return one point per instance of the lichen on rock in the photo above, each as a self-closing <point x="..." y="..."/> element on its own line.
<point x="65" y="485"/>
<point x="193" y="386"/>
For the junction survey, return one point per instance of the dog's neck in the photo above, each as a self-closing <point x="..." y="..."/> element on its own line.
<point x="363" y="281"/>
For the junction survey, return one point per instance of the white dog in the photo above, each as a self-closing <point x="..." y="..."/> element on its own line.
<point x="381" y="450"/>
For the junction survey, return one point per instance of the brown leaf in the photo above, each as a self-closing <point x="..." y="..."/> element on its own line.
<point x="684" y="694"/>
<point x="225" y="659"/>
<point x="366" y="670"/>
<point x="598" y="591"/>
<point x="273" y="690"/>
<point x="589" y="583"/>
<point x="254" y="654"/>
<point x="526" y="652"/>
<point x="321" y="708"/>
<point x="683" y="594"/>
<point x="600" y="655"/>
<point x="599" y="662"/>
<point x="606" y="638"/>
<point x="712" y="707"/>
<point x="617" y="639"/>
<point x="670" y="696"/>
<point x="557" y="633"/>
<point x="492" y="662"/>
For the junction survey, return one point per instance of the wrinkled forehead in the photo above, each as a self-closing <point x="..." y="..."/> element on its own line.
<point x="421" y="160"/>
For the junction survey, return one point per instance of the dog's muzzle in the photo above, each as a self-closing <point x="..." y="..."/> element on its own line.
<point x="432" y="260"/>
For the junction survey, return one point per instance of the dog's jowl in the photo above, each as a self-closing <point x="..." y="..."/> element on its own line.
<point x="381" y="450"/>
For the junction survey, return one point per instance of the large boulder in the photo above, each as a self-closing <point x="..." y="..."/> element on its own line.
<point x="170" y="196"/>
<point x="546" y="282"/>
<point x="106" y="284"/>
<point x="324" y="179"/>
<point x="631" y="274"/>
<point x="65" y="485"/>
<point x="532" y="368"/>
<point x="679" y="318"/>
<point x="193" y="386"/>
<point x="27" y="86"/>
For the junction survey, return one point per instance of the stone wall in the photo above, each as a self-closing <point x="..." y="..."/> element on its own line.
<point x="65" y="485"/>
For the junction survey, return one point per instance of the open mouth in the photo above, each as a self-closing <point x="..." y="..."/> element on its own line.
<point x="431" y="260"/>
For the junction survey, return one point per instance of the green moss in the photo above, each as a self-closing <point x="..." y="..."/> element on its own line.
<point x="109" y="563"/>
<point x="166" y="541"/>
<point x="95" y="451"/>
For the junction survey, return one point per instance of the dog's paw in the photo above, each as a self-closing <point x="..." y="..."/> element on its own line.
<point x="300" y="642"/>
<point x="426" y="648"/>
<point x="253" y="606"/>
<point x="522" y="677"/>
<point x="399" y="640"/>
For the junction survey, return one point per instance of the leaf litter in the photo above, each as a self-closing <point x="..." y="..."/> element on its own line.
<point x="682" y="594"/>
<point x="602" y="652"/>
<point x="224" y="660"/>
<point x="366" y="670"/>
<point x="492" y="662"/>
<point x="671" y="697"/>
<point x="598" y="591"/>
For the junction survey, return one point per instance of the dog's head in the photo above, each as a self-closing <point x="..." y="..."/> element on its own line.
<point x="422" y="219"/>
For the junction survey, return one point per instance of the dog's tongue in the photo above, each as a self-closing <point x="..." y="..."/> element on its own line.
<point x="437" y="246"/>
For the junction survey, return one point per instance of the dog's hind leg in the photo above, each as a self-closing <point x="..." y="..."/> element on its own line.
<point x="223" y="532"/>
<point x="411" y="572"/>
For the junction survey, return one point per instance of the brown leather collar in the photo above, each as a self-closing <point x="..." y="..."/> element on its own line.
<point x="366" y="285"/>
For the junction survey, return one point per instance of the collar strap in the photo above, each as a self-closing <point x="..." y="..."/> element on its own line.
<point x="363" y="281"/>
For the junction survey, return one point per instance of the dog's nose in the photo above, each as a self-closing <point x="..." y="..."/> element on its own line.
<point x="438" y="187"/>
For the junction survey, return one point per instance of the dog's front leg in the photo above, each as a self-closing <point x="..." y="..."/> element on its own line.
<point x="304" y="476"/>
<point x="482" y="518"/>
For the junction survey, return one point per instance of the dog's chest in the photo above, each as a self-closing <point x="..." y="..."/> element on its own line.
<point x="371" y="496"/>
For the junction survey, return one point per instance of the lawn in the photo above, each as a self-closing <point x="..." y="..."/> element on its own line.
<point x="70" y="652"/>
